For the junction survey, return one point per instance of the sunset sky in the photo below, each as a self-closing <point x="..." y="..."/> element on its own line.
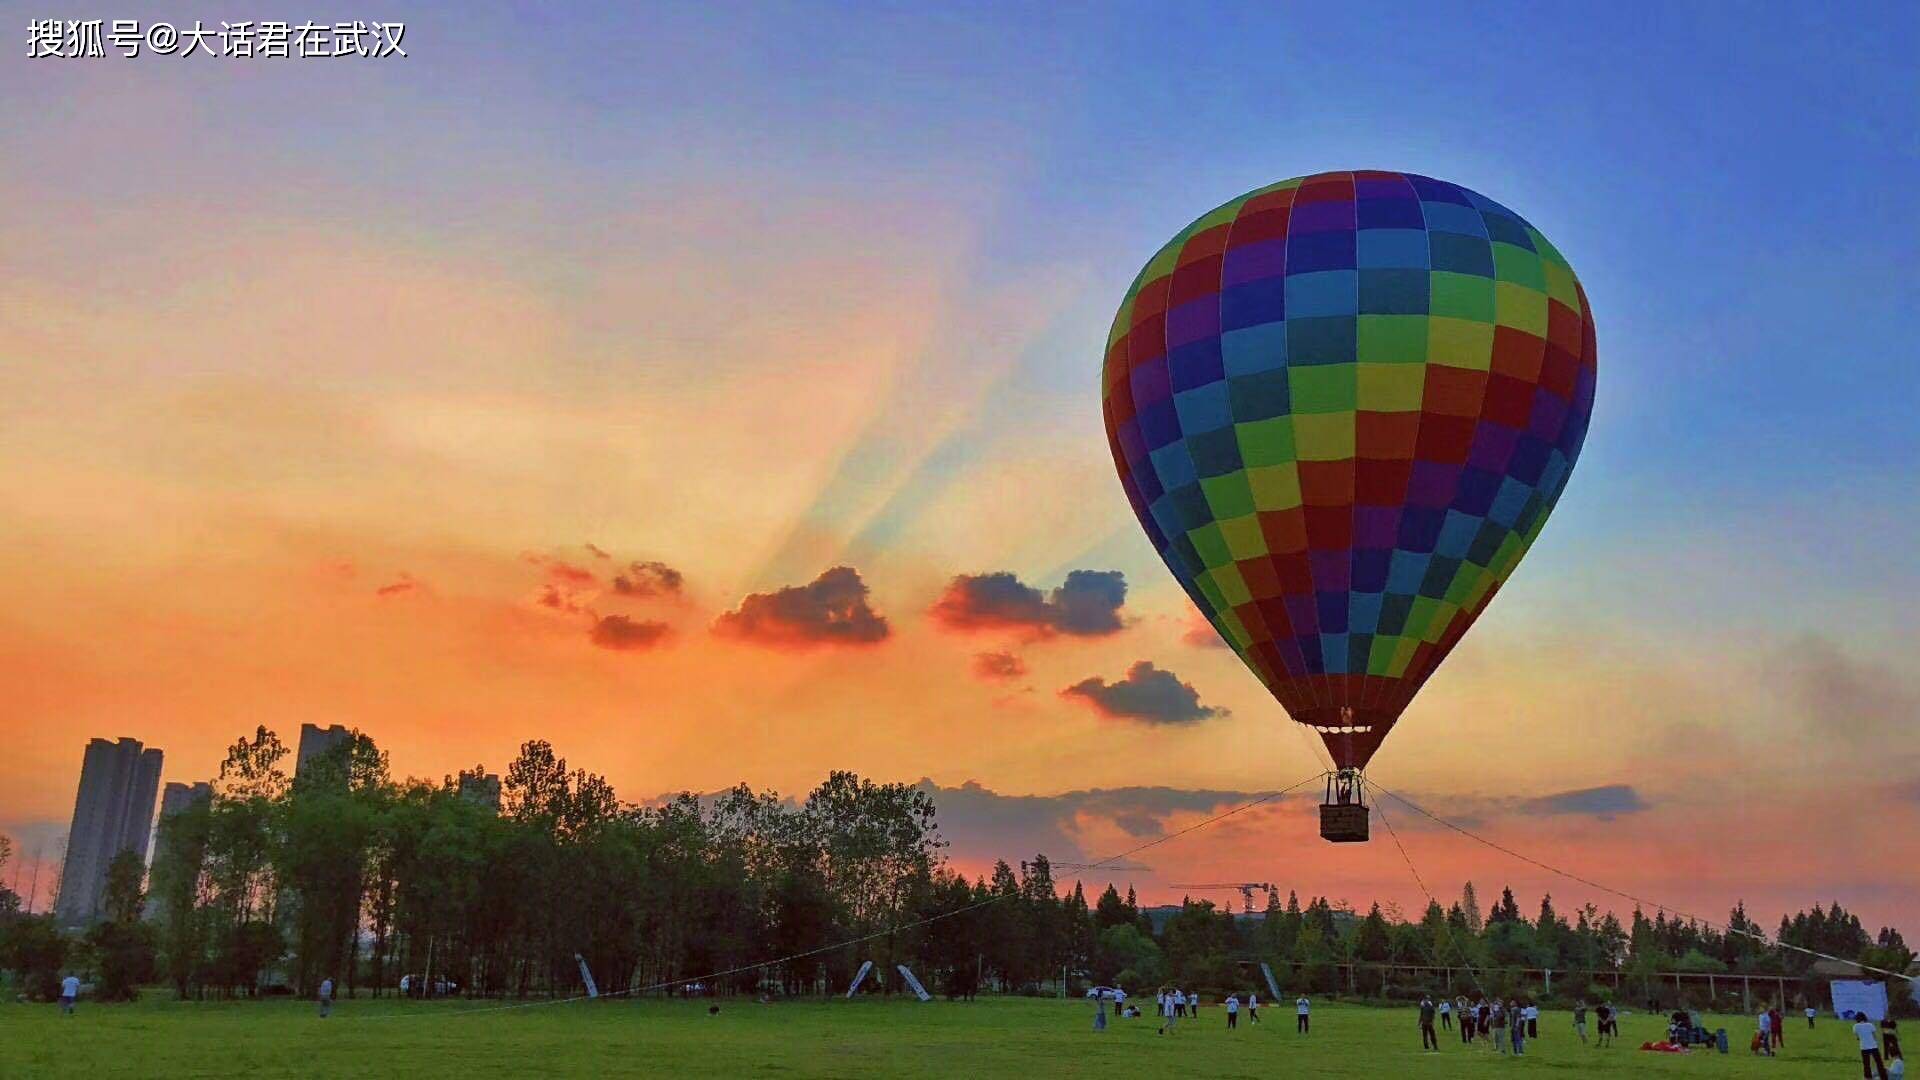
<point x="714" y="393"/>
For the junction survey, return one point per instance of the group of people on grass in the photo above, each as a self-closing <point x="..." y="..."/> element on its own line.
<point x="1174" y="1005"/>
<point x="1510" y="1023"/>
<point x="1879" y="1050"/>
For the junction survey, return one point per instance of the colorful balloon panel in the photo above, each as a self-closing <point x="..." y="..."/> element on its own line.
<point x="1342" y="408"/>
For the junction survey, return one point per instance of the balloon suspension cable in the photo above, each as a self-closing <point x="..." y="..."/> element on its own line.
<point x="1644" y="903"/>
<point x="1446" y="930"/>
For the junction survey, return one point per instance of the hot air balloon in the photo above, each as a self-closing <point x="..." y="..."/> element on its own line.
<point x="1342" y="407"/>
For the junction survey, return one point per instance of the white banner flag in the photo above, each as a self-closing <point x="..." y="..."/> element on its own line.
<point x="858" y="978"/>
<point x="913" y="982"/>
<point x="586" y="976"/>
<point x="1271" y="985"/>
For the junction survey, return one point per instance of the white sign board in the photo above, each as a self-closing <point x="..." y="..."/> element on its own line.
<point x="587" y="976"/>
<point x="858" y="978"/>
<point x="1858" y="996"/>
<point x="919" y="991"/>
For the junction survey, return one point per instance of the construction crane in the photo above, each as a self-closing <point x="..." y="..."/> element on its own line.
<point x="1246" y="888"/>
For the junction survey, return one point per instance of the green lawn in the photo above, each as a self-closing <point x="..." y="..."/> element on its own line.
<point x="1017" y="1038"/>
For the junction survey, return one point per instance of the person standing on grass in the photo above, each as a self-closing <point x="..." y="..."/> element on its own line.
<point x="1870" y="1059"/>
<point x="1253" y="1006"/>
<point x="326" y="998"/>
<point x="1580" y="1020"/>
<point x="1180" y="1003"/>
<point x="1499" y="1022"/>
<point x="1533" y="1019"/>
<point x="1811" y="1013"/>
<point x="1889" y="1037"/>
<point x="69" y="993"/>
<point x="1777" y="1024"/>
<point x="1517" y="1027"/>
<point x="1428" y="1039"/>
<point x="1233" y="1012"/>
<point x="1766" y="1033"/>
<point x="1301" y="1010"/>
<point x="1167" y="1015"/>
<point x="1446" y="1014"/>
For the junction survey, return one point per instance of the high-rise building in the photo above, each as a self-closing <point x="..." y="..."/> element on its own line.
<point x="316" y="741"/>
<point x="177" y="797"/>
<point x="112" y="813"/>
<point x="482" y="788"/>
<point x="173" y="799"/>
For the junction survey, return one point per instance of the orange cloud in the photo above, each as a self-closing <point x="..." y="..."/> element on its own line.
<point x="1147" y="694"/>
<point x="1088" y="604"/>
<point x="1200" y="633"/>
<point x="831" y="610"/>
<point x="648" y="579"/>
<point x="620" y="633"/>
<point x="405" y="584"/>
<point x="998" y="666"/>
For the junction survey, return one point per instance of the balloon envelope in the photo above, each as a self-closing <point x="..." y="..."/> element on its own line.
<point x="1342" y="407"/>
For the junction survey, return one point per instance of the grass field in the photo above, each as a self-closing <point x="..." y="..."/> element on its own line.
<point x="998" y="1037"/>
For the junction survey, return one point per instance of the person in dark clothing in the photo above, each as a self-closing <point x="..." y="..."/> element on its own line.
<point x="1428" y="1039"/>
<point x="1890" y="1038"/>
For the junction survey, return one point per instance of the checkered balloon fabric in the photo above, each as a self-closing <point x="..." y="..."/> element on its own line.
<point x="1342" y="407"/>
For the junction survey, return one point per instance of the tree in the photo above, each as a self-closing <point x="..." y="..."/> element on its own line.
<point x="125" y="894"/>
<point x="10" y="900"/>
<point x="1470" y="907"/>
<point x="179" y="891"/>
<point x="1126" y="957"/>
<point x="1507" y="910"/>
<point x="252" y="767"/>
<point x="1110" y="910"/>
<point x="33" y="948"/>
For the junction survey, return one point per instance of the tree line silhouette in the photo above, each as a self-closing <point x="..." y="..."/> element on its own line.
<point x="277" y="883"/>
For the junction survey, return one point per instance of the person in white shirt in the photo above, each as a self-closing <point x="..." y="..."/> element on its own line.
<point x="1167" y="1015"/>
<point x="69" y="993"/>
<point x="1811" y="1013"/>
<point x="1766" y="1033"/>
<point x="1301" y="1007"/>
<point x="1446" y="1014"/>
<point x="1179" y="1003"/>
<point x="1233" y="1012"/>
<point x="1870" y="1059"/>
<point x="326" y="998"/>
<point x="1253" y="1006"/>
<point x="1532" y="1012"/>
